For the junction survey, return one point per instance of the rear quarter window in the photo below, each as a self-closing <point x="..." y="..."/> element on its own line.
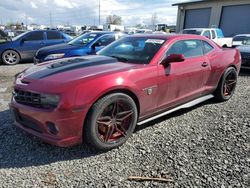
<point x="53" y="35"/>
<point x="207" y="47"/>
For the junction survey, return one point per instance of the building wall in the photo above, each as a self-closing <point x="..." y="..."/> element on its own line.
<point x="216" y="10"/>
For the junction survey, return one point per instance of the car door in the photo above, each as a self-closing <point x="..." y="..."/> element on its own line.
<point x="30" y="43"/>
<point x="104" y="41"/>
<point x="54" y="37"/>
<point x="180" y="82"/>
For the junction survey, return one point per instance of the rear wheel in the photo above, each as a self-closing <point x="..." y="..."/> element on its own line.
<point x="227" y="84"/>
<point x="111" y="121"/>
<point x="10" y="57"/>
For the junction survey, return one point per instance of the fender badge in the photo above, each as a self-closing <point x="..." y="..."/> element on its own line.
<point x="149" y="91"/>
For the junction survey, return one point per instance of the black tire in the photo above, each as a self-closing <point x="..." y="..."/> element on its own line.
<point x="227" y="84"/>
<point x="102" y="125"/>
<point x="10" y="57"/>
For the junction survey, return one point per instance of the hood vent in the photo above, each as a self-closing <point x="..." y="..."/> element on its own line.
<point x="66" y="62"/>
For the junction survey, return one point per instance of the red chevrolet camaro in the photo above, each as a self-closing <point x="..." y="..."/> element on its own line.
<point x="100" y="99"/>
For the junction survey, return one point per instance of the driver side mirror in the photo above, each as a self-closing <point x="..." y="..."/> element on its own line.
<point x="172" y="58"/>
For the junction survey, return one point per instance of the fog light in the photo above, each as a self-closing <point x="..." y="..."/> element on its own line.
<point x="52" y="128"/>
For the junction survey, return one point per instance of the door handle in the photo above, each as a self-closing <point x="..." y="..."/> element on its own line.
<point x="204" y="64"/>
<point x="42" y="43"/>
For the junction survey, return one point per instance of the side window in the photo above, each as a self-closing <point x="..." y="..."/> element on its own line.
<point x="53" y="35"/>
<point x="207" y="47"/>
<point x="35" y="36"/>
<point x="106" y="40"/>
<point x="207" y="34"/>
<point x="213" y="34"/>
<point x="189" y="48"/>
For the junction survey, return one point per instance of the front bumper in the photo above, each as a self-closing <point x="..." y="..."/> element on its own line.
<point x="35" y="121"/>
<point x="245" y="63"/>
<point x="245" y="60"/>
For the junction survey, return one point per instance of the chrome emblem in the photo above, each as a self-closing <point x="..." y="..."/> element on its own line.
<point x="149" y="91"/>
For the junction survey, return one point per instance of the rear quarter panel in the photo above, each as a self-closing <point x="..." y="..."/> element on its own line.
<point x="220" y="60"/>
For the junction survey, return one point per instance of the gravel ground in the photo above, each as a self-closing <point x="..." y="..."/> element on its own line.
<point x="204" y="146"/>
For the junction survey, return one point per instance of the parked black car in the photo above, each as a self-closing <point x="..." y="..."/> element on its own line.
<point x="245" y="54"/>
<point x="239" y="40"/>
<point x="25" y="45"/>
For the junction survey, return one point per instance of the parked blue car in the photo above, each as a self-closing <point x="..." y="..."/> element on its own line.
<point x="25" y="45"/>
<point x="85" y="44"/>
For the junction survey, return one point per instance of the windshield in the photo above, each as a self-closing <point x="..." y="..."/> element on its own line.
<point x="241" y="38"/>
<point x="84" y="39"/>
<point x="139" y="50"/>
<point x="192" y="31"/>
<point x="19" y="36"/>
<point x="246" y="42"/>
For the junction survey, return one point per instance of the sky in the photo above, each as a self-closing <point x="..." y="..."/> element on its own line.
<point x="86" y="12"/>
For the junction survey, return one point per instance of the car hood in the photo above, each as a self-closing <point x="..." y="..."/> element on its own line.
<point x="58" y="48"/>
<point x="5" y="43"/>
<point x="73" y="69"/>
<point x="244" y="48"/>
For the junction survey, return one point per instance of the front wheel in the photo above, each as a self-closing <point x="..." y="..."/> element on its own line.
<point x="227" y="84"/>
<point x="10" y="57"/>
<point x="111" y="121"/>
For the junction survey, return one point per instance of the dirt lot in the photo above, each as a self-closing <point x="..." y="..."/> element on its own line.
<point x="205" y="146"/>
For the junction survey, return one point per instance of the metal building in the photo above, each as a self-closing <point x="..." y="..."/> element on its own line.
<point x="232" y="16"/>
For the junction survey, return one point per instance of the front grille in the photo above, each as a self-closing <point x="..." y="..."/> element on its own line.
<point x="245" y="56"/>
<point x="27" y="98"/>
<point x="245" y="63"/>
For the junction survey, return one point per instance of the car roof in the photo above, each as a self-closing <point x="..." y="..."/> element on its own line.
<point x="102" y="32"/>
<point x="201" y="28"/>
<point x="169" y="36"/>
<point x="239" y="35"/>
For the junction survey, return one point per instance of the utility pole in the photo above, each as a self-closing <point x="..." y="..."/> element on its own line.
<point x="99" y="12"/>
<point x="26" y="20"/>
<point x="50" y="19"/>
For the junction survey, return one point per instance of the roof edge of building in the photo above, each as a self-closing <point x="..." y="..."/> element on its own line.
<point x="189" y="2"/>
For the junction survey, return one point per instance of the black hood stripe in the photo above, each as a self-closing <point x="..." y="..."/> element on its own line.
<point x="71" y="64"/>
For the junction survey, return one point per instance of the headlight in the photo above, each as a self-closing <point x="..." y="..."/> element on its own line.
<point x="53" y="56"/>
<point x="49" y="101"/>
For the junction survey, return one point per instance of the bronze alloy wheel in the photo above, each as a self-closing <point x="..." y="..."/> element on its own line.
<point x="114" y="121"/>
<point x="111" y="121"/>
<point x="227" y="85"/>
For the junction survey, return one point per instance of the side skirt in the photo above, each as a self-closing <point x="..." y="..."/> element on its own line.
<point x="186" y="105"/>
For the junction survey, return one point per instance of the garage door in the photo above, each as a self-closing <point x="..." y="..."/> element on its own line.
<point x="235" y="20"/>
<point x="197" y="18"/>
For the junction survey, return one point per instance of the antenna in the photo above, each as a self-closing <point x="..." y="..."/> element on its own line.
<point x="99" y="12"/>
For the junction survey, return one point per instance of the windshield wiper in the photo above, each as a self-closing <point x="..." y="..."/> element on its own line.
<point x="123" y="59"/>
